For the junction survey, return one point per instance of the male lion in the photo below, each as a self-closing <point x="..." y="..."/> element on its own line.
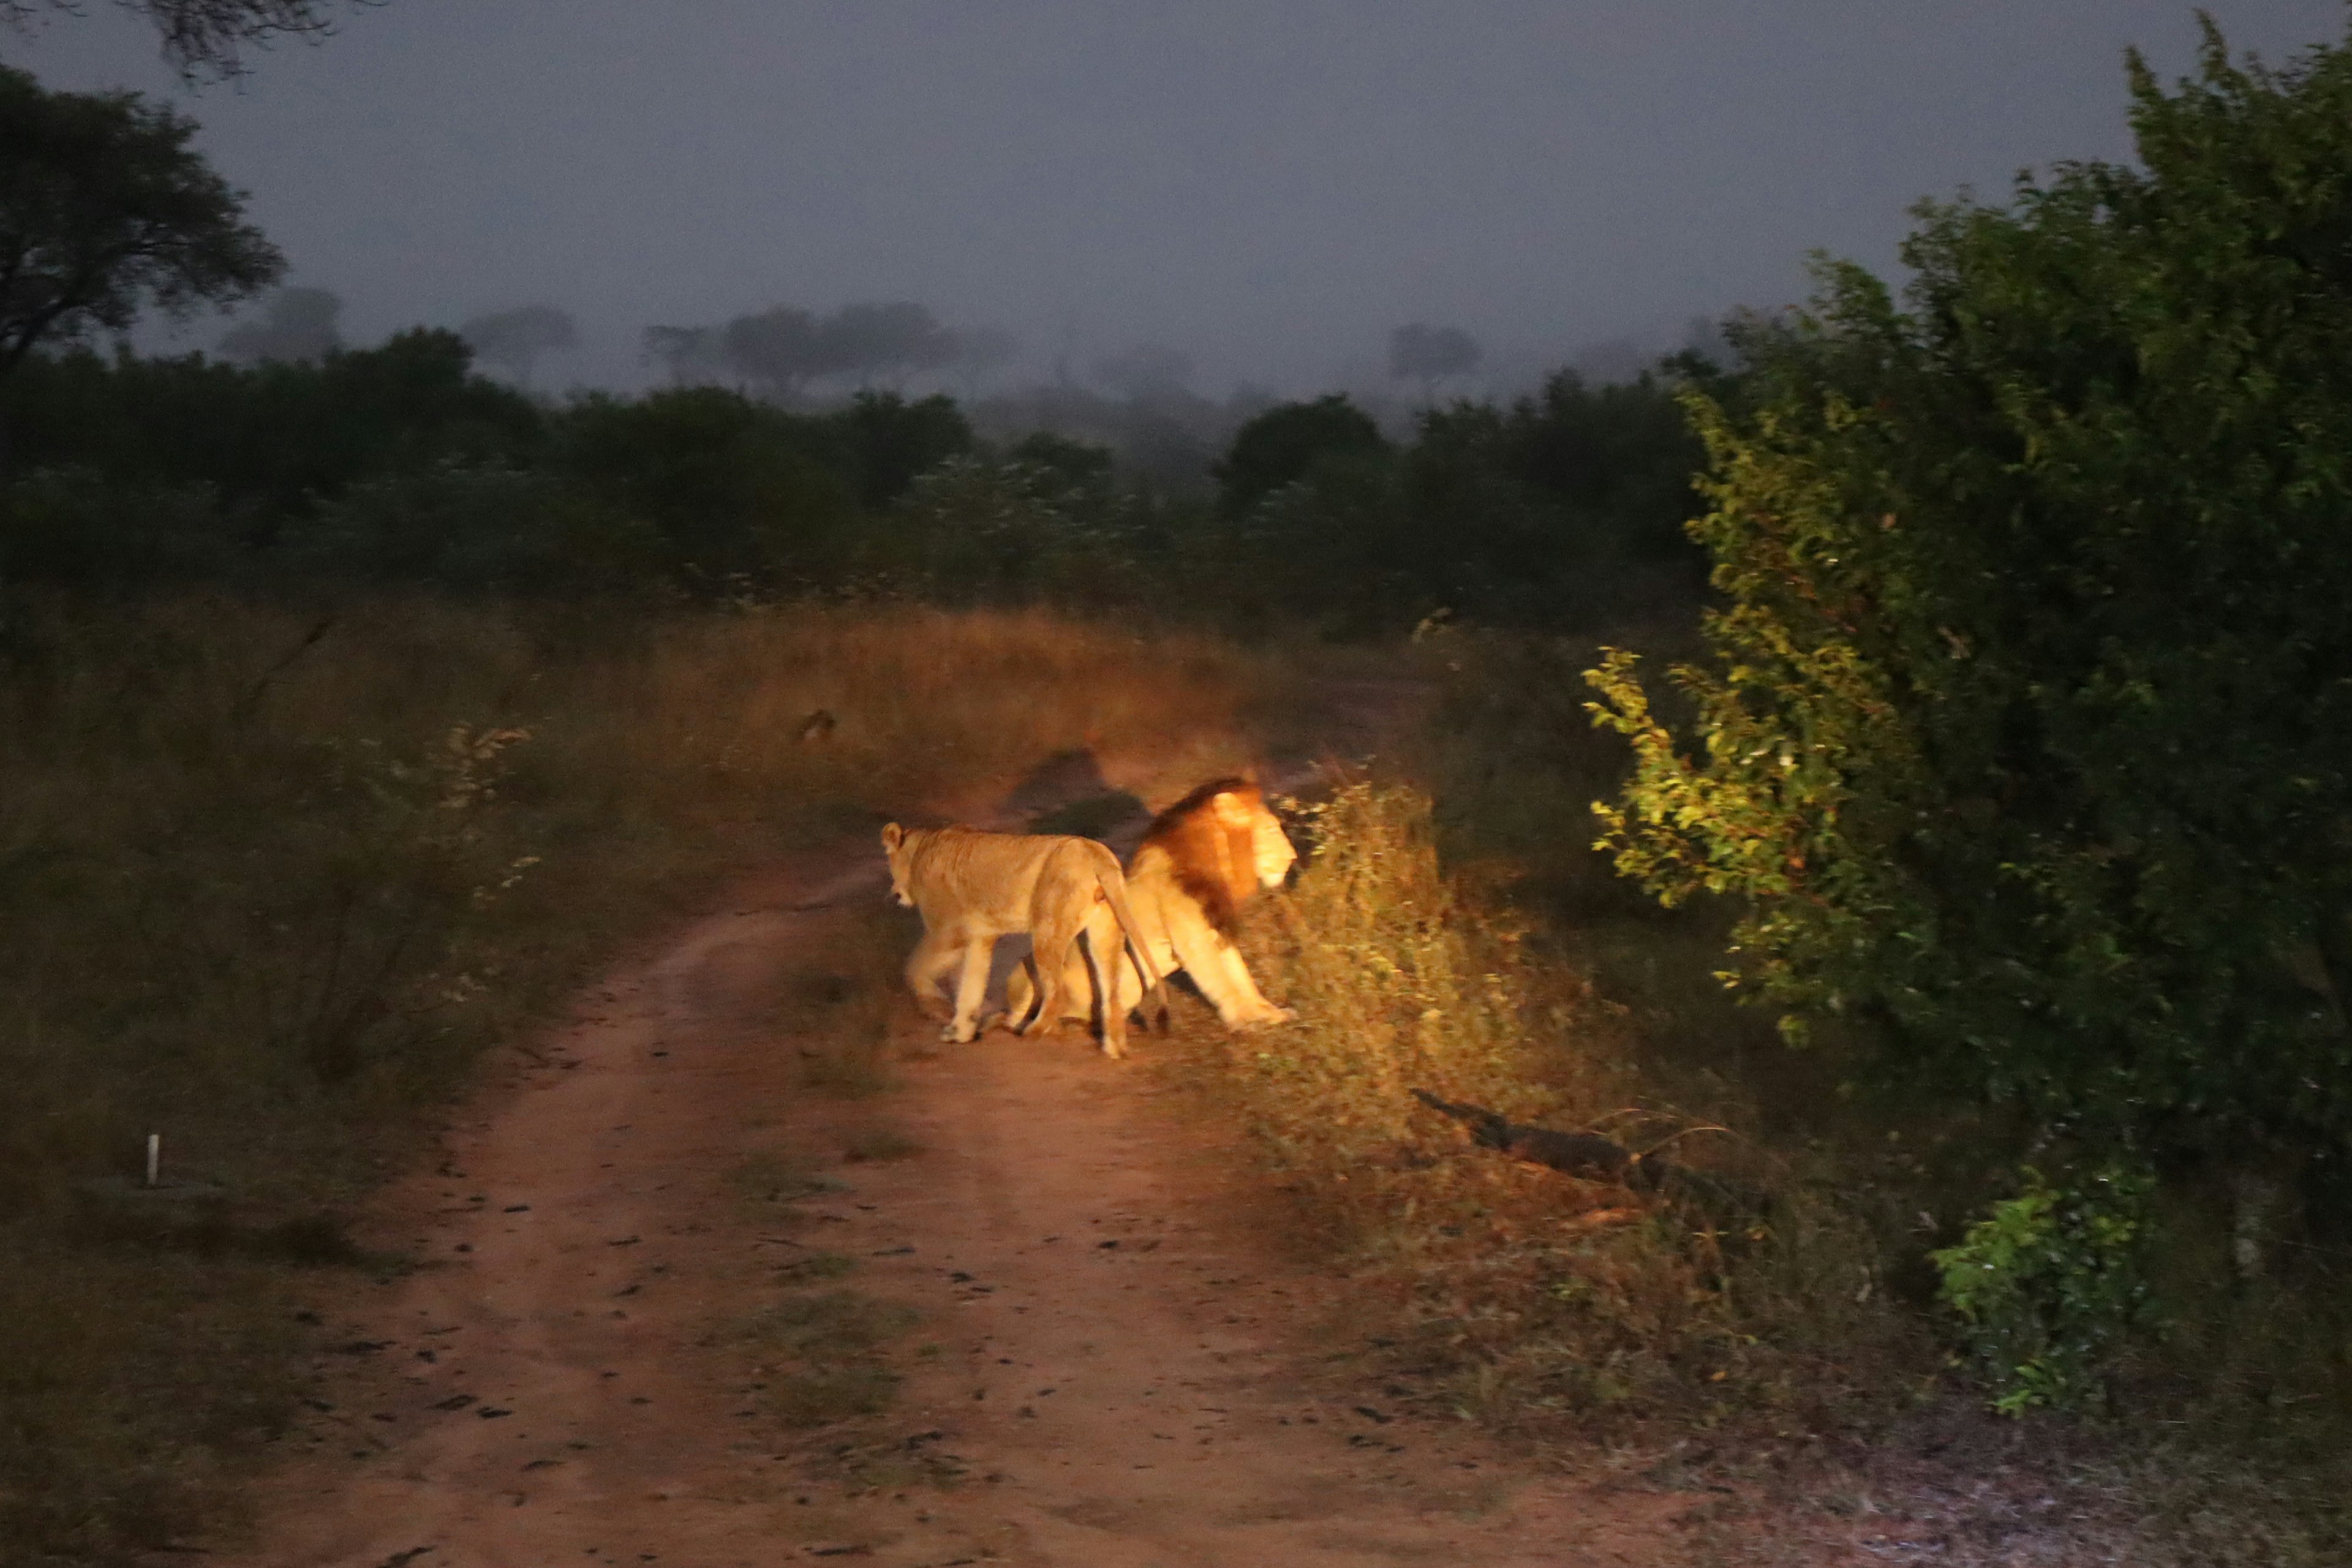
<point x="1199" y="861"/>
<point x="973" y="887"/>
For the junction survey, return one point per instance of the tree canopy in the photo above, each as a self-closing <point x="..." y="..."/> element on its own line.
<point x="780" y="351"/>
<point x="105" y="211"/>
<point x="2028" y="732"/>
<point x="1285" y="443"/>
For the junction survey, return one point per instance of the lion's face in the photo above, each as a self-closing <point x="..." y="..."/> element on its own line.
<point x="899" y="851"/>
<point x="1242" y="813"/>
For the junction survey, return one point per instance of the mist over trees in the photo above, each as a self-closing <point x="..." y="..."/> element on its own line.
<point x="1145" y="373"/>
<point x="295" y="324"/>
<point x="515" y="339"/>
<point x="106" y="212"/>
<point x="1421" y="353"/>
<point x="779" y="353"/>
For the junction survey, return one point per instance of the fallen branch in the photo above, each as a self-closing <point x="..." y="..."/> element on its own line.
<point x="1596" y="1158"/>
<point x="1586" y="1154"/>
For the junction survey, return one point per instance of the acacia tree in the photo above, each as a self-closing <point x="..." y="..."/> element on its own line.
<point x="106" y="211"/>
<point x="2028" y="732"/>
<point x="778" y="349"/>
<point x="885" y="341"/>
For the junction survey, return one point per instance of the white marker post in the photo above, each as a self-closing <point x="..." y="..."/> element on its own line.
<point x="154" y="1155"/>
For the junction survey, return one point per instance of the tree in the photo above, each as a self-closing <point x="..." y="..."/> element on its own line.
<point x="2027" y="737"/>
<point x="885" y="443"/>
<point x="201" y="38"/>
<point x="297" y="324"/>
<point x="689" y="353"/>
<point x="778" y="349"/>
<point x="1419" y="352"/>
<point x="106" y="211"/>
<point x="1285" y="444"/>
<point x="885" y="341"/>
<point x="513" y="340"/>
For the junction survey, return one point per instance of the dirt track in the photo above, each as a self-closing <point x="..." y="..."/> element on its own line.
<point x="1109" y="1363"/>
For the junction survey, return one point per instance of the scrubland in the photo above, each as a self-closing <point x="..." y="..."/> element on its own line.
<point x="1769" y="1329"/>
<point x="274" y="879"/>
<point x="277" y="878"/>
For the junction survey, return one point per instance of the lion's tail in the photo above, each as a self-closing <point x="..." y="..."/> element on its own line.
<point x="1113" y="883"/>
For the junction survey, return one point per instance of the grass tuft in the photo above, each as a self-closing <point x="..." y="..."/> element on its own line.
<point x="819" y="1356"/>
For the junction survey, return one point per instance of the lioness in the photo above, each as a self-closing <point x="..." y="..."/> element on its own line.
<point x="973" y="887"/>
<point x="1199" y="861"/>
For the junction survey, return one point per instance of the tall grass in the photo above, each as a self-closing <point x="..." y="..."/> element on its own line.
<point x="270" y="881"/>
<point x="2227" y="1439"/>
<point x="1536" y="1299"/>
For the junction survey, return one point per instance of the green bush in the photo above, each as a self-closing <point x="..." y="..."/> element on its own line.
<point x="75" y="525"/>
<point x="476" y="526"/>
<point x="1286" y="444"/>
<point x="2047" y="1284"/>
<point x="2027" y="735"/>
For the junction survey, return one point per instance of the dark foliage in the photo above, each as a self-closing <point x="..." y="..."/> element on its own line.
<point x="1288" y="443"/>
<point x="105" y="211"/>
<point x="398" y="463"/>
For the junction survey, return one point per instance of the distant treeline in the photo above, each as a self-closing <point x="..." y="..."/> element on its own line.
<point x="399" y="464"/>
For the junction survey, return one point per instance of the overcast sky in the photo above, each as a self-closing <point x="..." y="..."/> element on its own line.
<point x="1267" y="184"/>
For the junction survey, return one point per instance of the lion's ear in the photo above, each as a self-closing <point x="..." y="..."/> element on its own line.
<point x="1231" y="809"/>
<point x="892" y="836"/>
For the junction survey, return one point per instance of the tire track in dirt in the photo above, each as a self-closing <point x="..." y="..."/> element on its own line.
<point x="1110" y="1365"/>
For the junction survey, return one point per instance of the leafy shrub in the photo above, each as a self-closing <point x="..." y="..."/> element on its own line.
<point x="2047" y="1285"/>
<point x="979" y="532"/>
<point x="1288" y="443"/>
<point x="476" y="526"/>
<point x="74" y="525"/>
<point x="2027" y="734"/>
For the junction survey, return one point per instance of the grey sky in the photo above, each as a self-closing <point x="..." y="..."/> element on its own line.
<point x="1268" y="185"/>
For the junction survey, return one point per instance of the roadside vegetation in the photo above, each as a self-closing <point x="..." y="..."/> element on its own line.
<point x="274" y="880"/>
<point x="1964" y="955"/>
<point x="2001" y="776"/>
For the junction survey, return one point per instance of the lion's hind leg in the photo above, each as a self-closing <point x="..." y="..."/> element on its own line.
<point x="1020" y="994"/>
<point x="1106" y="958"/>
<point x="1049" y="958"/>
<point x="1060" y="906"/>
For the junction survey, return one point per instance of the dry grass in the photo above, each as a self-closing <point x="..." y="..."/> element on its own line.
<point x="269" y="882"/>
<point x="1534" y="1299"/>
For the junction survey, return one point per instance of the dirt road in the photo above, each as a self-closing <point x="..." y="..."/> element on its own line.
<point x="1102" y="1345"/>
